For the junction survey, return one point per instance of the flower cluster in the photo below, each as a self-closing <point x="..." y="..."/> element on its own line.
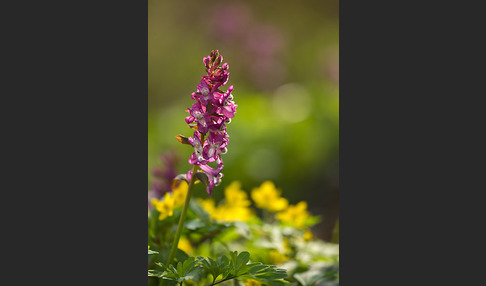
<point x="171" y="201"/>
<point x="209" y="115"/>
<point x="267" y="197"/>
<point x="236" y="206"/>
<point x="296" y="215"/>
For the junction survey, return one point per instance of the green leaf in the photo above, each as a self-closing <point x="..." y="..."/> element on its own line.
<point x="256" y="267"/>
<point x="268" y="274"/>
<point x="186" y="270"/>
<point x="152" y="252"/>
<point x="212" y="267"/>
<point x="154" y="273"/>
<point x="311" y="277"/>
<point x="236" y="266"/>
<point x="161" y="265"/>
<point x="180" y="255"/>
<point x="194" y="224"/>
<point x="203" y="178"/>
<point x="199" y="211"/>
<point x="190" y="270"/>
<point x="187" y="265"/>
<point x="242" y="260"/>
<point x="225" y="265"/>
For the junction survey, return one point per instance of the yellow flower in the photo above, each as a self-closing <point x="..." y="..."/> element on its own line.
<point x="308" y="235"/>
<point x="180" y="194"/>
<point x="185" y="245"/>
<point x="294" y="215"/>
<point x="165" y="207"/>
<point x="277" y="257"/>
<point x="268" y="197"/>
<point x="235" y="206"/>
<point x="228" y="213"/>
<point x="251" y="282"/>
<point x="236" y="197"/>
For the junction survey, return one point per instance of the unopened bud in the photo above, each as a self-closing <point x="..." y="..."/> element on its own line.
<point x="218" y="61"/>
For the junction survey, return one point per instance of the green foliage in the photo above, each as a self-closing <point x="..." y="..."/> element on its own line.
<point x="267" y="274"/>
<point x="326" y="276"/>
<point x="216" y="267"/>
<point x="216" y="251"/>
<point x="198" y="211"/>
<point x="186" y="270"/>
<point x="226" y="267"/>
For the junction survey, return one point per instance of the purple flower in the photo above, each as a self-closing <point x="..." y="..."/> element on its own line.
<point x="200" y="116"/>
<point x="197" y="156"/>
<point x="229" y="106"/>
<point x="217" y="142"/>
<point x="163" y="176"/>
<point x="205" y="92"/>
<point x="213" y="109"/>
<point x="214" y="175"/>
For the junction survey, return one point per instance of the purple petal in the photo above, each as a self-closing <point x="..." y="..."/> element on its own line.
<point x="210" y="171"/>
<point x="228" y="111"/>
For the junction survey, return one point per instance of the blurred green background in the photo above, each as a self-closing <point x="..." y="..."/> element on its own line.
<point x="284" y="65"/>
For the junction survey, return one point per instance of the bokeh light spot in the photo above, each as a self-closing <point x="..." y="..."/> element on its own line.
<point x="292" y="103"/>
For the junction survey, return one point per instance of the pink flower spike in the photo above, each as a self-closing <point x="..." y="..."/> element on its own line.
<point x="212" y="110"/>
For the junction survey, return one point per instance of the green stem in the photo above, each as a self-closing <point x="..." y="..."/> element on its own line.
<point x="221" y="281"/>
<point x="180" y="226"/>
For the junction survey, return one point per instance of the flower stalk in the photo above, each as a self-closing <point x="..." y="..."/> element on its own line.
<point x="208" y="116"/>
<point x="180" y="226"/>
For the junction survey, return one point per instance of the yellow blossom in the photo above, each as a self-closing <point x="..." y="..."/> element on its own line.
<point x="165" y="207"/>
<point x="228" y="213"/>
<point x="252" y="282"/>
<point x="235" y="206"/>
<point x="180" y="194"/>
<point x="277" y="257"/>
<point x="236" y="197"/>
<point x="294" y="215"/>
<point x="185" y="245"/>
<point x="308" y="235"/>
<point x="268" y="197"/>
<point x="154" y="202"/>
